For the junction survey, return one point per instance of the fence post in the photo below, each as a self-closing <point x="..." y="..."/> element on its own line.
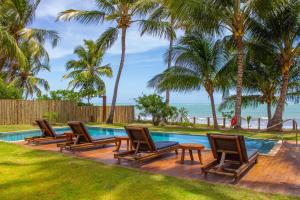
<point x="208" y="121"/>
<point x="294" y="124"/>
<point x="194" y="120"/>
<point x="258" y="123"/>
<point x="224" y="122"/>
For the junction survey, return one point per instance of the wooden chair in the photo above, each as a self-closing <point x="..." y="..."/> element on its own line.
<point x="81" y="139"/>
<point x="231" y="156"/>
<point x="144" y="147"/>
<point x="48" y="134"/>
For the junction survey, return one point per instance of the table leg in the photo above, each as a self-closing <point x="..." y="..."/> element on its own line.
<point x="200" y="157"/>
<point x="191" y="155"/>
<point x="182" y="155"/>
<point x="119" y="145"/>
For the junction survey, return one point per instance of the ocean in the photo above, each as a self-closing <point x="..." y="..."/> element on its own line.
<point x="203" y="110"/>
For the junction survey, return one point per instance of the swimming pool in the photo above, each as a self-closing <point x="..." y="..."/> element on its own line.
<point x="263" y="146"/>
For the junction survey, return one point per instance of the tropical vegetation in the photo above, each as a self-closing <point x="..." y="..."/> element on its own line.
<point x="199" y="62"/>
<point x="86" y="72"/>
<point x="154" y="106"/>
<point x="22" y="52"/>
<point x="123" y="13"/>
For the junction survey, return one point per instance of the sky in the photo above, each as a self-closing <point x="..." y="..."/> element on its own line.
<point x="144" y="55"/>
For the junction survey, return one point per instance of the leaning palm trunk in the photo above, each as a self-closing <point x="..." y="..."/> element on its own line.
<point x="213" y="109"/>
<point x="169" y="65"/>
<point x="239" y="83"/>
<point x="277" y="118"/>
<point x="170" y="61"/>
<point x="110" y="119"/>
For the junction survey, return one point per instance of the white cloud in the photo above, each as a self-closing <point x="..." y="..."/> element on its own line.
<point x="50" y="8"/>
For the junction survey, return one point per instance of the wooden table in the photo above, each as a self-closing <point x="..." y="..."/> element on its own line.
<point x="123" y="138"/>
<point x="190" y="148"/>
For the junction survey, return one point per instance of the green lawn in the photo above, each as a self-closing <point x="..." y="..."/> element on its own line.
<point x="187" y="130"/>
<point x="30" y="174"/>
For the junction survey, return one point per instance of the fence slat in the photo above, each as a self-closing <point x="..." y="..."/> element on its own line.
<point x="26" y="111"/>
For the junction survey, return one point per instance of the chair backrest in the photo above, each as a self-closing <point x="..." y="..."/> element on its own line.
<point x="80" y="131"/>
<point x="140" y="135"/>
<point x="46" y="128"/>
<point x="233" y="145"/>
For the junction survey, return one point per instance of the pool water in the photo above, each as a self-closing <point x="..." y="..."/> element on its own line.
<point x="263" y="146"/>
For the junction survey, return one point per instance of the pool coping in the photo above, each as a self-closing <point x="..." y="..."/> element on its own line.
<point x="272" y="151"/>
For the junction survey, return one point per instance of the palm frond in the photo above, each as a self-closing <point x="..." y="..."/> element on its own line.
<point x="82" y="16"/>
<point x="108" y="38"/>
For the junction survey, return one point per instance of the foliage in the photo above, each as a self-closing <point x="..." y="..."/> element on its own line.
<point x="30" y="56"/>
<point x="154" y="106"/>
<point x="86" y="72"/>
<point x="52" y="117"/>
<point x="9" y="91"/>
<point x="62" y="95"/>
<point x="199" y="62"/>
<point x="248" y="119"/>
<point x="228" y="114"/>
<point x="122" y="14"/>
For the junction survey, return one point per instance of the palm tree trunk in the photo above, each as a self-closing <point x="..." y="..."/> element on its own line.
<point x="110" y="119"/>
<point x="213" y="109"/>
<point x="269" y="107"/>
<point x="239" y="83"/>
<point x="277" y="118"/>
<point x="170" y="60"/>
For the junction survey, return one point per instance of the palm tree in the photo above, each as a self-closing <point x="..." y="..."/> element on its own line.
<point x="199" y="62"/>
<point x="123" y="13"/>
<point x="263" y="89"/>
<point x="25" y="76"/>
<point x="279" y="31"/>
<point x="16" y="17"/>
<point x="152" y="26"/>
<point x="222" y="17"/>
<point x="86" y="72"/>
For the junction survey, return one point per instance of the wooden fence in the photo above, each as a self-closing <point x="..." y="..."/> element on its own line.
<point x="25" y="112"/>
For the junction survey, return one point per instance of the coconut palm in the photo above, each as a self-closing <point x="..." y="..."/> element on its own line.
<point x="25" y="76"/>
<point x="264" y="90"/>
<point x="16" y="18"/>
<point x="199" y="62"/>
<point x="223" y="17"/>
<point x="152" y="24"/>
<point x="86" y="72"/>
<point x="279" y="31"/>
<point x="123" y="13"/>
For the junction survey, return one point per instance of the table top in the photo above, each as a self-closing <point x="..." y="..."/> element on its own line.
<point x="192" y="146"/>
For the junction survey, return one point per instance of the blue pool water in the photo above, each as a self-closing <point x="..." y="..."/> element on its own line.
<point x="264" y="146"/>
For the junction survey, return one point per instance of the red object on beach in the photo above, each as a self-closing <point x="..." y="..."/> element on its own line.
<point x="233" y="121"/>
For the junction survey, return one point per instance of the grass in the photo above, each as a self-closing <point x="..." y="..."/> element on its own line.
<point x="201" y="130"/>
<point x="32" y="174"/>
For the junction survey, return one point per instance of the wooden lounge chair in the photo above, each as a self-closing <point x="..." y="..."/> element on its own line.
<point x="231" y="156"/>
<point x="81" y="139"/>
<point x="48" y="134"/>
<point x="144" y="147"/>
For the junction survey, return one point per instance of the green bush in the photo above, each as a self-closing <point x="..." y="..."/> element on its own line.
<point x="8" y="91"/>
<point x="52" y="117"/>
<point x="154" y="106"/>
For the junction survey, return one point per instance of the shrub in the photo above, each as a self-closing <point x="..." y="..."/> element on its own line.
<point x="154" y="106"/>
<point x="52" y="117"/>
